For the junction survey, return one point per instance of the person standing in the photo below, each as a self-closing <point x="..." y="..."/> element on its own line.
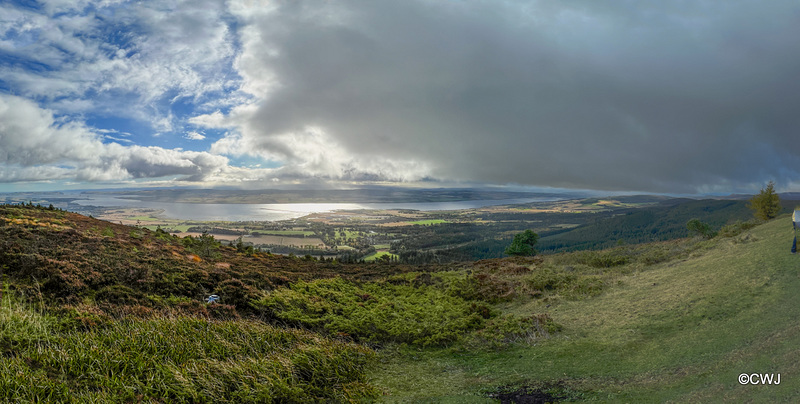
<point x="795" y="218"/>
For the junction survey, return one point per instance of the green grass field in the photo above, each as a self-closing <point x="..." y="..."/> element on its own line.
<point x="682" y="331"/>
<point x="429" y="222"/>
<point x="177" y="228"/>
<point x="286" y="232"/>
<point x="376" y="255"/>
<point x="145" y="218"/>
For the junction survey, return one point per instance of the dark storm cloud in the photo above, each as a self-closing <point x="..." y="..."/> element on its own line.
<point x="649" y="95"/>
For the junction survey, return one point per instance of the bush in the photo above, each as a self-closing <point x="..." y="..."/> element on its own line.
<point x="483" y="286"/>
<point x="510" y="329"/>
<point x="236" y="293"/>
<point x="655" y="256"/>
<point x="585" y="286"/>
<point x="376" y="312"/>
<point x="545" y="279"/>
<point x="736" y="228"/>
<point x="108" y="232"/>
<point x="608" y="259"/>
<point x="119" y="295"/>
<point x="204" y="245"/>
<point x="698" y="228"/>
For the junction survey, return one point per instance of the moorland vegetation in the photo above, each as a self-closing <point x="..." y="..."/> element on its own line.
<point x="95" y="311"/>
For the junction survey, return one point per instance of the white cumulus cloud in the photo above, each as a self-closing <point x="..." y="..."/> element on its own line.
<point x="36" y="146"/>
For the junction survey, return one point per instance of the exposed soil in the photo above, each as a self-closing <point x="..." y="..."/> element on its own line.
<point x="530" y="395"/>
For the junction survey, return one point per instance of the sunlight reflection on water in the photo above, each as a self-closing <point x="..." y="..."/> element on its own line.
<point x="278" y="211"/>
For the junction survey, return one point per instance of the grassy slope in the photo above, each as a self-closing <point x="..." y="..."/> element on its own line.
<point x="681" y="331"/>
<point x="172" y="359"/>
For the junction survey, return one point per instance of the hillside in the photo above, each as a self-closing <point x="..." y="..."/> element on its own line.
<point x="572" y="226"/>
<point x="665" y="221"/>
<point x="96" y="311"/>
<point x="69" y="258"/>
<point x="681" y="331"/>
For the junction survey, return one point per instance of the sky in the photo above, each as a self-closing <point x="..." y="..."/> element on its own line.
<point x="642" y="96"/>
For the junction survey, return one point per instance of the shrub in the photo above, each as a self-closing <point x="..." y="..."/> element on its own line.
<point x="483" y="286"/>
<point x="655" y="256"/>
<point x="376" y="312"/>
<point x="585" y="286"/>
<point x="547" y="278"/>
<point x="107" y="232"/>
<point x="222" y="311"/>
<point x="204" y="245"/>
<point x="163" y="235"/>
<point x="597" y="259"/>
<point x="119" y="295"/>
<point x="510" y="329"/>
<point x="736" y="228"/>
<point x="236" y="293"/>
<point x="608" y="259"/>
<point x="698" y="228"/>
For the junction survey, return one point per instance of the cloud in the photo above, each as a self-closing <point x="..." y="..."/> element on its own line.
<point x="650" y="96"/>
<point x="133" y="60"/>
<point x="33" y="174"/>
<point x="35" y="146"/>
<point x="118" y="139"/>
<point x="193" y="136"/>
<point x="213" y="120"/>
<point x="312" y="154"/>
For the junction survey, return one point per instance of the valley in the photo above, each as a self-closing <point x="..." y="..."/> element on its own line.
<point x="414" y="236"/>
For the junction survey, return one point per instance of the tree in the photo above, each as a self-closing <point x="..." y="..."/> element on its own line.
<point x="523" y="244"/>
<point x="766" y="205"/>
<point x="206" y="245"/>
<point x="698" y="228"/>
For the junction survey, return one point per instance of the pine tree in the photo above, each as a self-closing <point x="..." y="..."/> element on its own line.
<point x="766" y="205"/>
<point x="523" y="244"/>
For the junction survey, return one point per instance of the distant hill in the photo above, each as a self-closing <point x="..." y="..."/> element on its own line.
<point x="665" y="221"/>
<point x="358" y="195"/>
<point x="662" y="219"/>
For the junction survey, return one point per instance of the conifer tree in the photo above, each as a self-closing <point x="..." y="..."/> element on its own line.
<point x="523" y="244"/>
<point x="767" y="204"/>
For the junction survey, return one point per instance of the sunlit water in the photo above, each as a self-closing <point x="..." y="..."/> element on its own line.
<point x="279" y="211"/>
